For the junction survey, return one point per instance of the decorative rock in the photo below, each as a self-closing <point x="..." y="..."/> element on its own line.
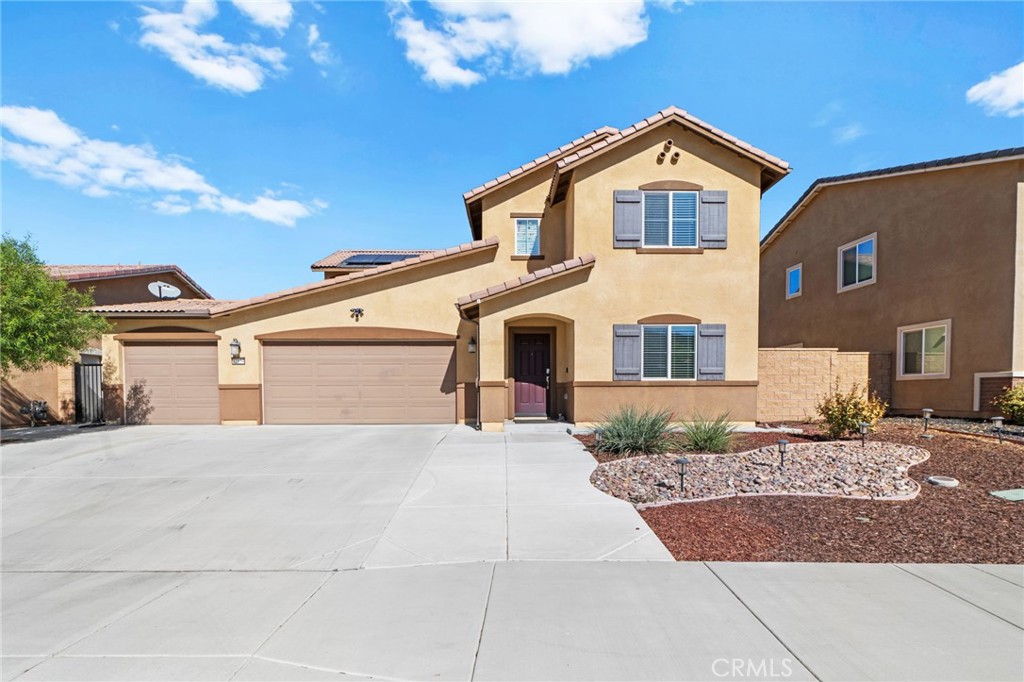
<point x="943" y="481"/>
<point x="877" y="470"/>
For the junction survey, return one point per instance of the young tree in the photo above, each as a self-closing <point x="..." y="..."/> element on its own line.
<point x="42" y="320"/>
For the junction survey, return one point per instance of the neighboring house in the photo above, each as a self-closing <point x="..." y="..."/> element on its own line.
<point x="924" y="261"/>
<point x="110" y="284"/>
<point x="620" y="268"/>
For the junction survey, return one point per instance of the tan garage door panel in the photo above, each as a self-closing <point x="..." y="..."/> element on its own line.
<point x="171" y="384"/>
<point x="359" y="384"/>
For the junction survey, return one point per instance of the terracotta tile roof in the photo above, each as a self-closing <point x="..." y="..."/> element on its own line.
<point x="671" y="113"/>
<point x="336" y="258"/>
<point x="481" y="244"/>
<point x="540" y="160"/>
<point x="192" y="307"/>
<point x="577" y="263"/>
<point x="920" y="167"/>
<point x="83" y="273"/>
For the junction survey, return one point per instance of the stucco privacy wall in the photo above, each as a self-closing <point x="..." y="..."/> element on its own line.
<point x="624" y="286"/>
<point x="948" y="248"/>
<point x="54" y="384"/>
<point x="794" y="380"/>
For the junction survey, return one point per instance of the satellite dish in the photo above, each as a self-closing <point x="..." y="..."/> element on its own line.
<point x="164" y="291"/>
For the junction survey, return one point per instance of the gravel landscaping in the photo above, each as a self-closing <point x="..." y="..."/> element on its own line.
<point x="843" y="468"/>
<point x="971" y="426"/>
<point x="942" y="525"/>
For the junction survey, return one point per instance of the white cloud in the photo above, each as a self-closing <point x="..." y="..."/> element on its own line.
<point x="207" y="56"/>
<point x="848" y="133"/>
<point x="50" y="149"/>
<point x="469" y="40"/>
<point x="275" y="14"/>
<point x="319" y="49"/>
<point x="1001" y="94"/>
<point x="828" y="113"/>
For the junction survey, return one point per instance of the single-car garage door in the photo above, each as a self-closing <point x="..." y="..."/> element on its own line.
<point x="171" y="383"/>
<point x="359" y="383"/>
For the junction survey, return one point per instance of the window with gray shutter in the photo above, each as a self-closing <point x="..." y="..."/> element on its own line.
<point x="714" y="219"/>
<point x="669" y="351"/>
<point x="711" y="352"/>
<point x="627" y="218"/>
<point x="626" y="351"/>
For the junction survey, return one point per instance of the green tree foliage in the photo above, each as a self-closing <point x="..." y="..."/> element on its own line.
<point x="42" y="320"/>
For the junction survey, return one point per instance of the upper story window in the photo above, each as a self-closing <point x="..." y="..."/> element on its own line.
<point x="527" y="236"/>
<point x="670" y="219"/>
<point x="857" y="263"/>
<point x="669" y="351"/>
<point x="924" y="350"/>
<point x="794" y="280"/>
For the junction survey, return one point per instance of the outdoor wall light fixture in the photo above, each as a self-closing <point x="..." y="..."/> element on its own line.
<point x="236" y="349"/>
<point x="864" y="426"/>
<point x="998" y="423"/>
<point x="472" y="344"/>
<point x="782" y="443"/>
<point x="682" y="462"/>
<point x="356" y="313"/>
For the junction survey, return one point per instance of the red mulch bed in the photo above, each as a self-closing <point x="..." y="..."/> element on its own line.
<point x="942" y="525"/>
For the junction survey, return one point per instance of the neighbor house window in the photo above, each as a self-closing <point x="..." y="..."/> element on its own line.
<point x="527" y="236"/>
<point x="924" y="350"/>
<point x="669" y="351"/>
<point x="794" y="280"/>
<point x="670" y="219"/>
<point x="857" y="263"/>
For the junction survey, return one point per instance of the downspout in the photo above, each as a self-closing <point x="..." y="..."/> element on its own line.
<point x="476" y="323"/>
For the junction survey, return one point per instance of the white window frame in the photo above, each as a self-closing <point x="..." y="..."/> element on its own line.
<point x="668" y="374"/>
<point x="515" y="238"/>
<point x="800" y="289"/>
<point x="900" y="331"/>
<point x="643" y="221"/>
<point x="873" y="237"/>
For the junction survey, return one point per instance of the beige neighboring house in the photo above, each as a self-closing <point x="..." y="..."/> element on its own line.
<point x="619" y="268"/>
<point x="924" y="261"/>
<point x="110" y="284"/>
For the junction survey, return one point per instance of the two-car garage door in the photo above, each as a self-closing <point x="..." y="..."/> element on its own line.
<point x="358" y="383"/>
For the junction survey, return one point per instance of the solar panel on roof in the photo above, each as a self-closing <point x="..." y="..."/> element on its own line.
<point x="372" y="260"/>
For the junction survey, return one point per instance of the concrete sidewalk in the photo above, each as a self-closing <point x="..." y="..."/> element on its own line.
<point x="522" y="621"/>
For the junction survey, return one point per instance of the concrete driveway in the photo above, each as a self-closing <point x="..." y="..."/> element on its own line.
<point x="294" y="553"/>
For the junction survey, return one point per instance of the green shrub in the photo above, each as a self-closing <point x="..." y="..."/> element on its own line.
<point x="1011" y="403"/>
<point x="633" y="430"/>
<point x="844" y="412"/>
<point x="708" y="435"/>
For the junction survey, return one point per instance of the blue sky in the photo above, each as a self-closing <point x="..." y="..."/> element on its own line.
<point x="243" y="144"/>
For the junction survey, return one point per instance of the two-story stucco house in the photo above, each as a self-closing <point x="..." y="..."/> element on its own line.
<point x="924" y="261"/>
<point x="619" y="268"/>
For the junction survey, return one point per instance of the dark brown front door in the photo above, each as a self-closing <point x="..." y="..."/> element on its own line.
<point x="532" y="374"/>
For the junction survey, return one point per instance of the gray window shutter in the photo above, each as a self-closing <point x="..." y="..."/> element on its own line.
<point x="711" y="352"/>
<point x="714" y="219"/>
<point x="628" y="218"/>
<point x="626" y="351"/>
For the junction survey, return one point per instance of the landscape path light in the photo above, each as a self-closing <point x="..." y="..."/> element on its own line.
<point x="927" y="412"/>
<point x="998" y="422"/>
<point x="782" y="443"/>
<point x="864" y="433"/>
<point x="682" y="462"/>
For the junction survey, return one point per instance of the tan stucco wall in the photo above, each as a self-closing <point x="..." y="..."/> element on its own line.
<point x="54" y="384"/>
<point x="131" y="289"/>
<point x="948" y="247"/>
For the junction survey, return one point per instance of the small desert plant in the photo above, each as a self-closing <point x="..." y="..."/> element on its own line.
<point x="1011" y="403"/>
<point x="708" y="435"/>
<point x="633" y="430"/>
<point x="844" y="412"/>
